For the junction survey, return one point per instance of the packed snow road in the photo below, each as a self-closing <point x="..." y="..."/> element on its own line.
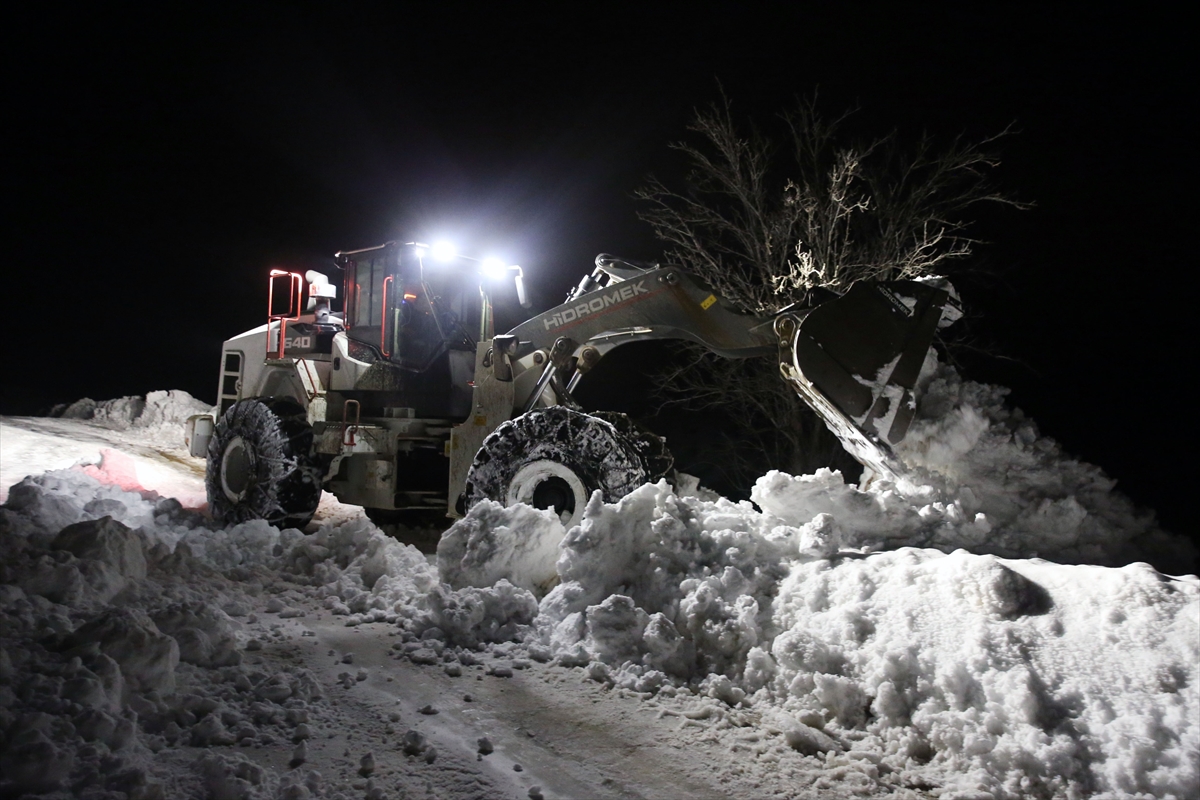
<point x="33" y="445"/>
<point x="547" y="730"/>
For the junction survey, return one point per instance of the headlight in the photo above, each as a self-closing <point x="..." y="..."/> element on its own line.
<point x="493" y="269"/>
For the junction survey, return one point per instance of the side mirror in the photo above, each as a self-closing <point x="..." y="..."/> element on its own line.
<point x="504" y="347"/>
<point x="520" y="281"/>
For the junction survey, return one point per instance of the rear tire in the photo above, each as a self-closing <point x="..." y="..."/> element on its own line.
<point x="260" y="465"/>
<point x="554" y="457"/>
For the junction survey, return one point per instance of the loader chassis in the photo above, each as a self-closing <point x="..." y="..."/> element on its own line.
<point x="409" y="400"/>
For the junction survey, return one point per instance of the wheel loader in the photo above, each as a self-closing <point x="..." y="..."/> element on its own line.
<point x="406" y="399"/>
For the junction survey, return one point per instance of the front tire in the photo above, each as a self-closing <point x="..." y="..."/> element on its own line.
<point x="260" y="465"/>
<point x="554" y="458"/>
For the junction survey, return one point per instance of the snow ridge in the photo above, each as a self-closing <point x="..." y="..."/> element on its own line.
<point x="980" y="674"/>
<point x="157" y="418"/>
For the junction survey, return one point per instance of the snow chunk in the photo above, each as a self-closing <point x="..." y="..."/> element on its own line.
<point x="147" y="657"/>
<point x="471" y="616"/>
<point x="236" y="778"/>
<point x="107" y="541"/>
<point x="518" y="544"/>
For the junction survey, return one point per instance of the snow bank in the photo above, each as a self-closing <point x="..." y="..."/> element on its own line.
<point x="901" y="630"/>
<point x="974" y="451"/>
<point x="118" y="634"/>
<point x="158" y="417"/>
<point x="979" y="675"/>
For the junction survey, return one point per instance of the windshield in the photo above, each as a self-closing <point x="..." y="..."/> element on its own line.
<point x="412" y="309"/>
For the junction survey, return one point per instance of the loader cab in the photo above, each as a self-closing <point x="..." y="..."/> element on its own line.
<point x="410" y="307"/>
<point x="417" y="319"/>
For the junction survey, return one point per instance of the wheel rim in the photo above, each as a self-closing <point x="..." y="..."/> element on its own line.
<point x="237" y="463"/>
<point x="545" y="484"/>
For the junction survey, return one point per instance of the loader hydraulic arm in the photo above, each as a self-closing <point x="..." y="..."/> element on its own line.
<point x="620" y="304"/>
<point x="854" y="358"/>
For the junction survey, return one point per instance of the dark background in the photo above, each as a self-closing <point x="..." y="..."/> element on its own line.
<point x="160" y="164"/>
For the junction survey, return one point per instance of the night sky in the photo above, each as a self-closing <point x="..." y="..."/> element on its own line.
<point x="163" y="163"/>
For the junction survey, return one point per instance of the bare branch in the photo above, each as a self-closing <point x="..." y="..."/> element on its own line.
<point x="761" y="230"/>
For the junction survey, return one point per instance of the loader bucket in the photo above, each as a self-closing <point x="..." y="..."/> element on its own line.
<point x="856" y="359"/>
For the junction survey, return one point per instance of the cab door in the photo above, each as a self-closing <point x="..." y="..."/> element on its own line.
<point x="370" y="282"/>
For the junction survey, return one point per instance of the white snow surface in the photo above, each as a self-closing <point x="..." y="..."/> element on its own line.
<point x="822" y="641"/>
<point x="133" y="442"/>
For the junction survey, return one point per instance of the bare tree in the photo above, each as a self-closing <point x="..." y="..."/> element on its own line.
<point x="762" y="229"/>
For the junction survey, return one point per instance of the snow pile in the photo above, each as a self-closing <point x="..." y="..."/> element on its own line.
<point x="969" y="672"/>
<point x="361" y="573"/>
<point x="983" y="457"/>
<point x="853" y="624"/>
<point x="158" y="417"/>
<point x="41" y="506"/>
<point x="836" y="515"/>
<point x="119" y="634"/>
<point x="862" y="625"/>
<point x="491" y="543"/>
<point x="82" y="670"/>
<point x="1015" y="678"/>
<point x="662" y="586"/>
<point x="472" y="617"/>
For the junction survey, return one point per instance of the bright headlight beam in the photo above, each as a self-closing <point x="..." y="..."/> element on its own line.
<point x="493" y="268"/>
<point x="443" y="251"/>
